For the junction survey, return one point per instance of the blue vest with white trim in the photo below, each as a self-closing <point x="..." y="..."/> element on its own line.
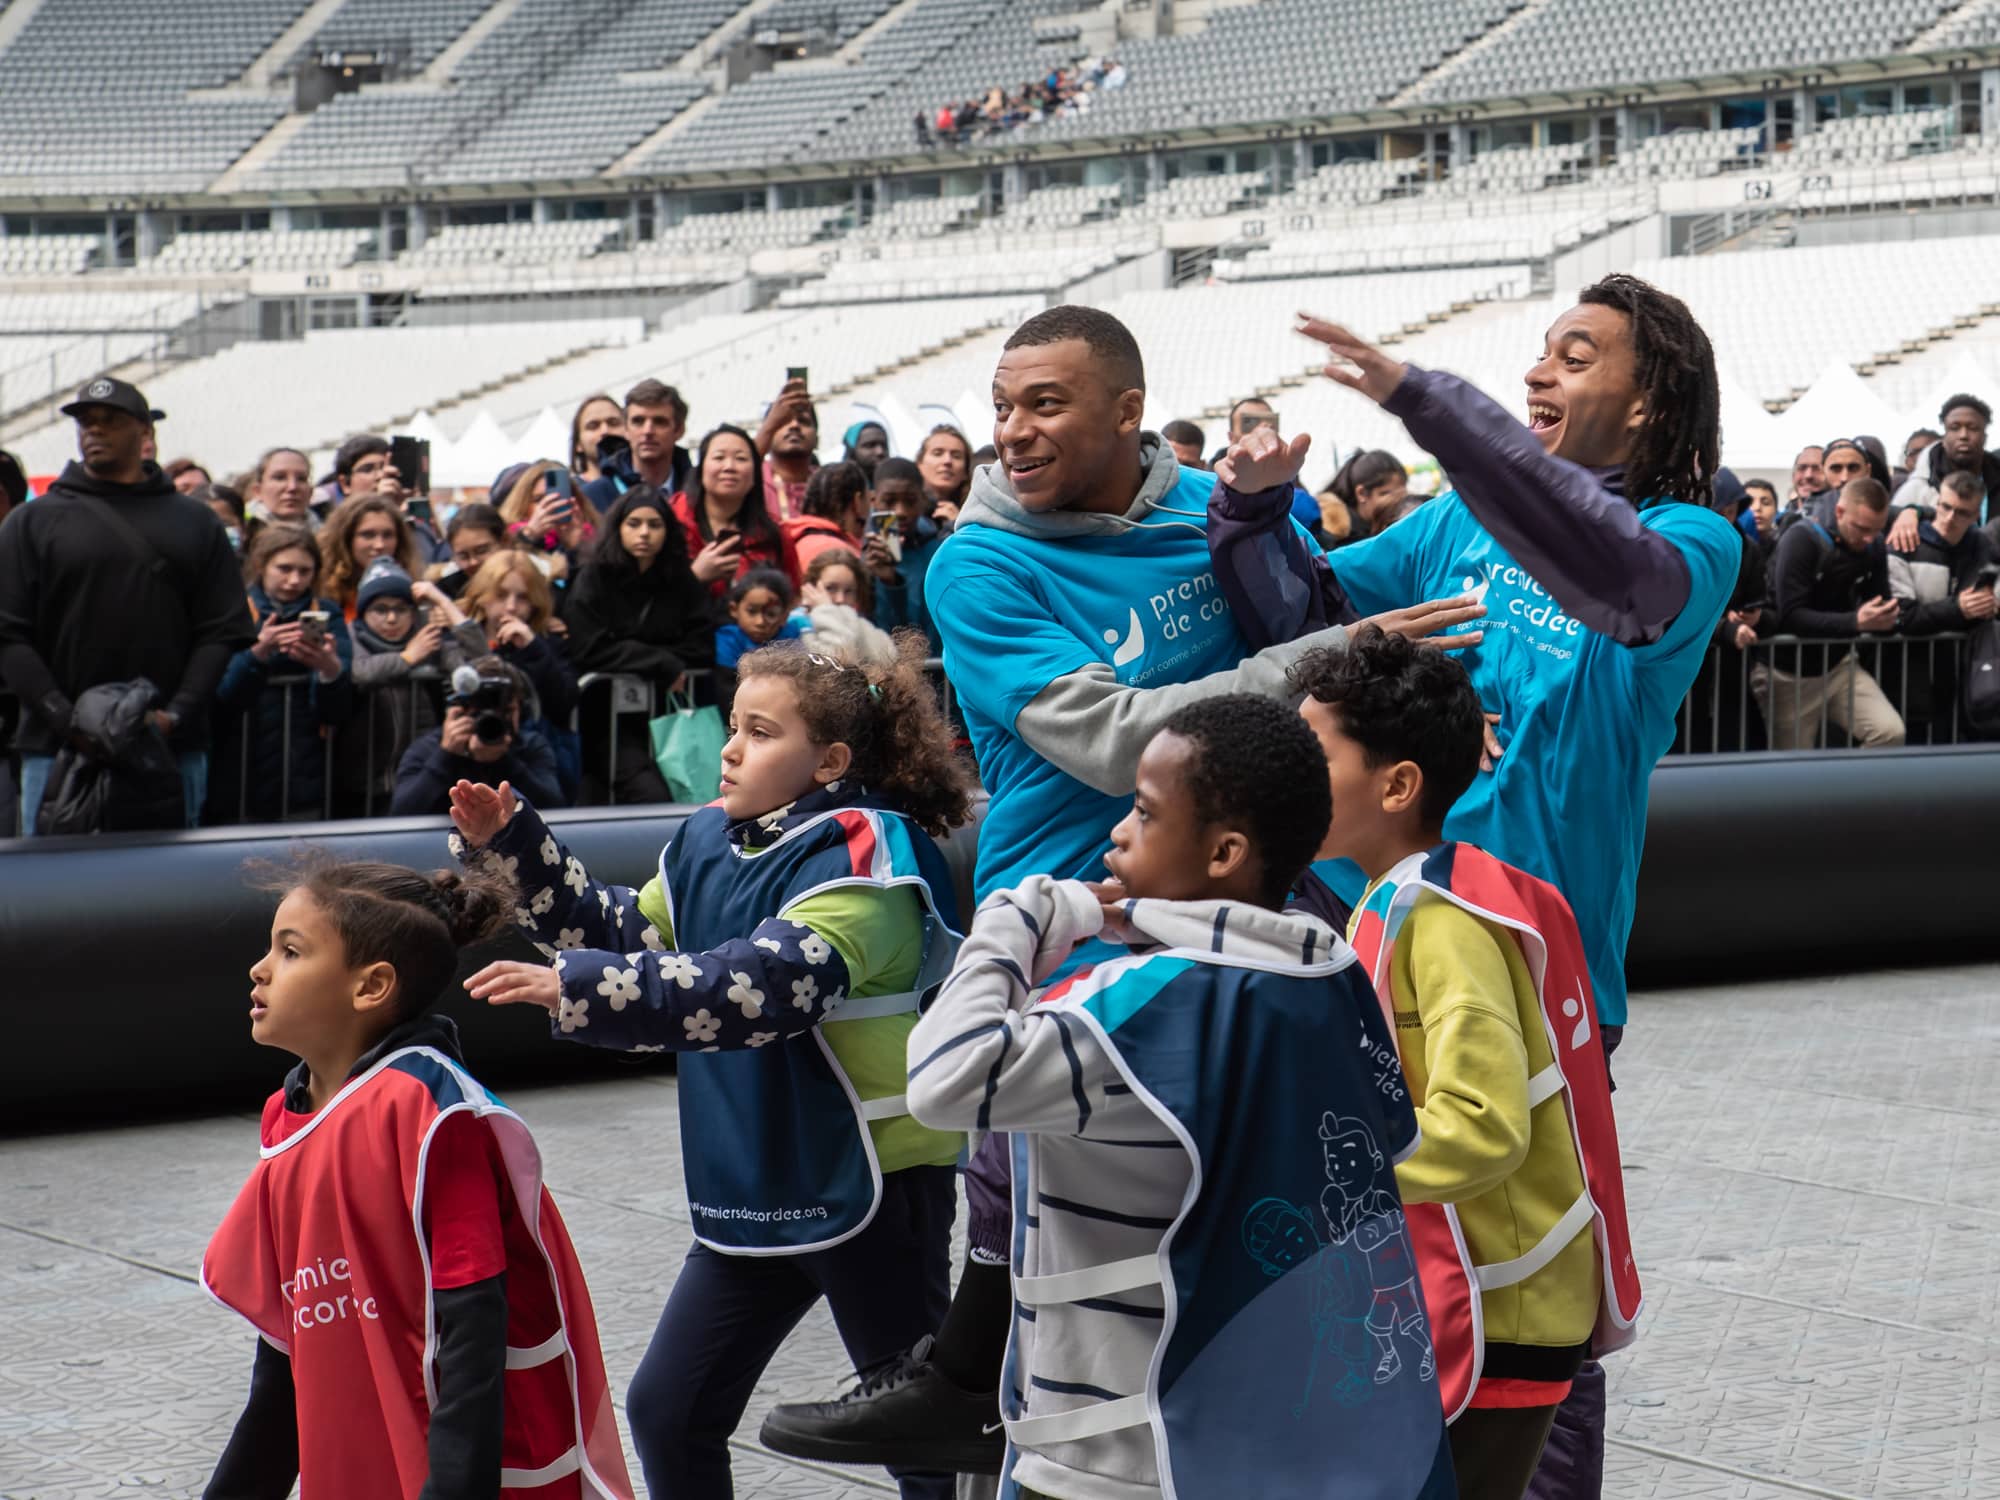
<point x="774" y="1141"/>
<point x="1294" y="1346"/>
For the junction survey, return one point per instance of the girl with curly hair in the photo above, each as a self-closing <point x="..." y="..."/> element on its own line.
<point x="782" y="951"/>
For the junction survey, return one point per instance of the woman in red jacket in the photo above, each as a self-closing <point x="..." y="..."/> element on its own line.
<point x="722" y="514"/>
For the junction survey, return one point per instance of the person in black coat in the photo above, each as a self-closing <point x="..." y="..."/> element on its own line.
<point x="455" y="752"/>
<point x="635" y="609"/>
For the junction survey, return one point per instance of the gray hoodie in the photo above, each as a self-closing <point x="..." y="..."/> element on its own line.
<point x="1087" y="724"/>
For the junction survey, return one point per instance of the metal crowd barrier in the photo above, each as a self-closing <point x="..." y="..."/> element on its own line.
<point x="1774" y="695"/>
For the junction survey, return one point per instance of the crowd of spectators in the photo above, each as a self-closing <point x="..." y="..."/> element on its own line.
<point x="342" y="646"/>
<point x="345" y="646"/>
<point x="1062" y="92"/>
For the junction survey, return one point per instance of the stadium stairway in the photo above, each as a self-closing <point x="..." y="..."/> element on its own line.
<point x="14" y="20"/>
<point x="439" y="73"/>
<point x="1939" y="34"/>
<point x="262" y="73"/>
<point x="1451" y="64"/>
<point x="268" y="146"/>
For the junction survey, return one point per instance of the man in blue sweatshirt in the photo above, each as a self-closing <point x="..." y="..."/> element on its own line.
<point x="1079" y="613"/>
<point x="1600" y="596"/>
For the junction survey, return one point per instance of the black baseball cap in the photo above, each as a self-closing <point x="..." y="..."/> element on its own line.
<point x="104" y="391"/>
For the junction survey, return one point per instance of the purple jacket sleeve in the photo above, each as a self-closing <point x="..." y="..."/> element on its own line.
<point x="1575" y="537"/>
<point x="1277" y="589"/>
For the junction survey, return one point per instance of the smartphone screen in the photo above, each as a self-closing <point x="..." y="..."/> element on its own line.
<point x="798" y="373"/>
<point x="561" y="484"/>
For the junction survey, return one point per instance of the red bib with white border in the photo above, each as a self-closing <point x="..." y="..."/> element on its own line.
<point x="324" y="1253"/>
<point x="1541" y="921"/>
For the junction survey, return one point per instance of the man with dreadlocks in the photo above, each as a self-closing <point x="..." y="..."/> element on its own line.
<point x="1587" y="534"/>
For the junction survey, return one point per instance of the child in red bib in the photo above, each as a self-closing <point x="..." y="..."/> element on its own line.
<point x="424" y="1327"/>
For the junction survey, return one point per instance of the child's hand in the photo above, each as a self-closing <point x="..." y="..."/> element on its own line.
<point x="1110" y="895"/>
<point x="510" y="983"/>
<point x="482" y="811"/>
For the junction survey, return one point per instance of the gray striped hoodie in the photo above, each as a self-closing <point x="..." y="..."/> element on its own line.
<point x="1105" y="1177"/>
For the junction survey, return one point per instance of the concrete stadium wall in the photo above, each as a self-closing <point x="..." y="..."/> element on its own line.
<point x="125" y="956"/>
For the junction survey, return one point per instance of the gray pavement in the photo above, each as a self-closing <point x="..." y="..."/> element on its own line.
<point x="1814" y="1172"/>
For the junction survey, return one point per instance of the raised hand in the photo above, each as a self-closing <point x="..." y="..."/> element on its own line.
<point x="1903" y="534"/>
<point x="1356" y="364"/>
<point x="480" y="812"/>
<point x="509" y="982"/>
<point x="1426" y="622"/>
<point x="1262" y="460"/>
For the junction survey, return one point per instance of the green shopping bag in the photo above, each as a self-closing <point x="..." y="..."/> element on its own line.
<point x="687" y="747"/>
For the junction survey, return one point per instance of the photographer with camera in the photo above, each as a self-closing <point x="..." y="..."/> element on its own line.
<point x="483" y="740"/>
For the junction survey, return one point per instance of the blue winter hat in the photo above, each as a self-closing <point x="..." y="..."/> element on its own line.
<point x="385" y="579"/>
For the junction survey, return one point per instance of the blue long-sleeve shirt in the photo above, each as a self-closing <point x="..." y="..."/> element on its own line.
<point x="1597" y="614"/>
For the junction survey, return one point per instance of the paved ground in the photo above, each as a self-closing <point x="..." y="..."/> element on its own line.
<point x="1814" y="1170"/>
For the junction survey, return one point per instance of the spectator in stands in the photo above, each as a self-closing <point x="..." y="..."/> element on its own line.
<point x="476" y="532"/>
<point x="1760" y="517"/>
<point x="1913" y="449"/>
<point x="900" y="557"/>
<point x="1830" y="584"/>
<point x="353" y="537"/>
<point x="725" y="527"/>
<point x="271" y="737"/>
<point x="866" y="444"/>
<point x="400" y="658"/>
<point x="228" y="507"/>
<point x="1808" y="478"/>
<point x="599" y="415"/>
<point x="637" y="609"/>
<point x="13" y="483"/>
<point x="837" y="577"/>
<point x="655" y="422"/>
<point x="922" y="126"/>
<point x="760" y="612"/>
<point x="559" y="528"/>
<point x="1945" y="585"/>
<point x="1962" y="450"/>
<point x="511" y="602"/>
<point x="482" y="745"/>
<point x="1187" y="441"/>
<point x="187" y="476"/>
<point x="946" y="465"/>
<point x="788" y="440"/>
<point x="1375" y="488"/>
<point x="833" y="517"/>
<point x="110" y="577"/>
<point x="281" y="491"/>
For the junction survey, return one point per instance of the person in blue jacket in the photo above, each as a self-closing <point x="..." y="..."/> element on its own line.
<point x="1588" y="535"/>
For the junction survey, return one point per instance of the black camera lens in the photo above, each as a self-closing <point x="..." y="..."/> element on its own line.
<point x="491" y="728"/>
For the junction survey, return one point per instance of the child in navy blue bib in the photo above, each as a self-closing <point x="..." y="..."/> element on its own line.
<point x="781" y="949"/>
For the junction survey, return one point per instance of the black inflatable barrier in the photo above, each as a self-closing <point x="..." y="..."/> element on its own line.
<point x="124" y="957"/>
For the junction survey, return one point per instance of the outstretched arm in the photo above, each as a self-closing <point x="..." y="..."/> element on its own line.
<point x="1582" y="543"/>
<point x="562" y="907"/>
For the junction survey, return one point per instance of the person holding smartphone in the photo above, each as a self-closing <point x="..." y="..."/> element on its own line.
<point x="545" y="512"/>
<point x="280" y="693"/>
<point x="723" y="518"/>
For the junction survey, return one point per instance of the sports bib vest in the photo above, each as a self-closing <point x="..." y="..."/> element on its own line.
<point x="1294" y="1345"/>
<point x="775" y="1141"/>
<point x="323" y="1252"/>
<point x="1540" y="920"/>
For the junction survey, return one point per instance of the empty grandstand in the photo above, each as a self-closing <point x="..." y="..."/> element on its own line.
<point x="507" y="203"/>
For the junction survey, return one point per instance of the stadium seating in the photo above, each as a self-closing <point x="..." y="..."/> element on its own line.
<point x="47" y="254"/>
<point x="1592" y="44"/>
<point x="517" y="243"/>
<point x="413" y="32"/>
<point x="143" y="132"/>
<point x="1686" y="153"/>
<point x="1003" y="266"/>
<point x="221" y="251"/>
<point x="51" y="342"/>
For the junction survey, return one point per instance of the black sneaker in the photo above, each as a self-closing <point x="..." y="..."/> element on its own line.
<point x="906" y="1416"/>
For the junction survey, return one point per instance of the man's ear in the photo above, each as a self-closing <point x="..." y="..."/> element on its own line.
<point x="1131" y="410"/>
<point x="1402" y="786"/>
<point x="834" y="763"/>
<point x="1636" y="417"/>
<point x="1228" y="854"/>
<point x="375" y="986"/>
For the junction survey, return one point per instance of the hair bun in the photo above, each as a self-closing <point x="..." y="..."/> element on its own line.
<point x="474" y="904"/>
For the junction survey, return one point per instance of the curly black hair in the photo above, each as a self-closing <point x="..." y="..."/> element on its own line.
<point x="1400" y="701"/>
<point x="1676" y="451"/>
<point x="1258" y="768"/>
